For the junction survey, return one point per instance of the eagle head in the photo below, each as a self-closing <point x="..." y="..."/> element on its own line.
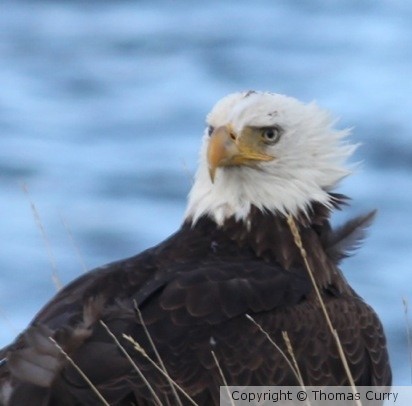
<point x="269" y="151"/>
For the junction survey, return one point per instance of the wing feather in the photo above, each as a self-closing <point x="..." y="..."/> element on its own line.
<point x="340" y="243"/>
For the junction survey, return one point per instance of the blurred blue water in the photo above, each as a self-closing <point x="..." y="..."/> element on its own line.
<point x="102" y="107"/>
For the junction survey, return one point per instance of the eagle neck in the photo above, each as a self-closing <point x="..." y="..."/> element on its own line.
<point x="268" y="237"/>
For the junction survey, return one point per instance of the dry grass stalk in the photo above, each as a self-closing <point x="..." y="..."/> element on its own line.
<point x="223" y="377"/>
<point x="129" y="358"/>
<point x="55" y="275"/>
<point x="408" y="331"/>
<point x="299" y="244"/>
<point x="292" y="356"/>
<point x="74" y="244"/>
<point x="9" y="323"/>
<point x="159" y="359"/>
<point x="187" y="171"/>
<point x="295" y="372"/>
<point x="82" y="374"/>
<point x="141" y="350"/>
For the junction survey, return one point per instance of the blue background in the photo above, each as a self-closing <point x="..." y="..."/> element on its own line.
<point x="102" y="108"/>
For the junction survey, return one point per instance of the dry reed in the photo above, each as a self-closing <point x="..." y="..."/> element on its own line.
<point x="408" y="331"/>
<point x="130" y="359"/>
<point x="141" y="350"/>
<point x="292" y="356"/>
<point x="298" y="241"/>
<point x="223" y="377"/>
<point x="82" y="374"/>
<point x="55" y="274"/>
<point x="159" y="359"/>
<point x="266" y="334"/>
<point x="74" y="244"/>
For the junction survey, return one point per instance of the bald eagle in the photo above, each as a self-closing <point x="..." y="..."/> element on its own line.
<point x="215" y="299"/>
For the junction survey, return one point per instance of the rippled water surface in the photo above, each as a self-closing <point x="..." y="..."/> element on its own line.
<point x="102" y="107"/>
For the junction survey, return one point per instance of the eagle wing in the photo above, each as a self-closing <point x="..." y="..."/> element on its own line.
<point x="177" y="302"/>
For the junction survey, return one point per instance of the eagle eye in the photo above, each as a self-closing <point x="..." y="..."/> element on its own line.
<point x="271" y="135"/>
<point x="210" y="130"/>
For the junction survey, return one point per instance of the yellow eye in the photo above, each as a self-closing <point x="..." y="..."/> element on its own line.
<point x="271" y="135"/>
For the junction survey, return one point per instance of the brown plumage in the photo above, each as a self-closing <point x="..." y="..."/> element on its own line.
<point x="194" y="292"/>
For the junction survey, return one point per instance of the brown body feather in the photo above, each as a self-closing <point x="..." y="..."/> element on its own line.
<point x="194" y="291"/>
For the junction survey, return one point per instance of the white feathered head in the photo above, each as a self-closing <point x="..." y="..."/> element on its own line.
<point x="266" y="150"/>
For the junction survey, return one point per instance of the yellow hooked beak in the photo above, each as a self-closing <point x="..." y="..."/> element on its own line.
<point x="227" y="149"/>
